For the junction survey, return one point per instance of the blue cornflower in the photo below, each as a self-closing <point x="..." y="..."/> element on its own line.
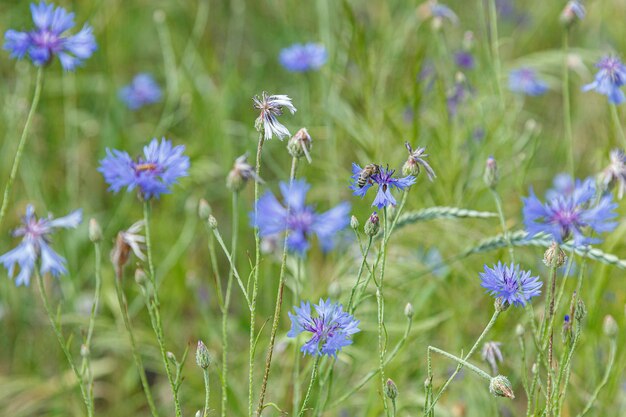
<point x="525" y="81"/>
<point x="301" y="221"/>
<point x="143" y="90"/>
<point x="48" y="39"/>
<point x="35" y="246"/>
<point x="153" y="174"/>
<point x="303" y="57"/>
<point x="510" y="284"/>
<point x="609" y="79"/>
<point x="566" y="215"/>
<point x="385" y="180"/>
<point x="331" y="330"/>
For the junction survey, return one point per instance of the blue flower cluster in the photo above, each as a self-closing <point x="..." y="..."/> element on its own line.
<point x="302" y="58"/>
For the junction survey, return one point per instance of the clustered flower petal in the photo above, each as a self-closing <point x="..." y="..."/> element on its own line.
<point x="510" y="284"/>
<point x="569" y="215"/>
<point x="35" y="246"/>
<point x="609" y="79"/>
<point x="142" y="90"/>
<point x="153" y="174"/>
<point x="303" y="57"/>
<point x="298" y="219"/>
<point x="526" y="81"/>
<point x="270" y="107"/>
<point x="331" y="330"/>
<point x="48" y="39"/>
<point x="385" y="181"/>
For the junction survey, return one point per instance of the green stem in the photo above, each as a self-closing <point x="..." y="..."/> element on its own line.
<point x="297" y="353"/>
<point x="255" y="279"/>
<point x="220" y="240"/>
<point x="567" y="115"/>
<point x="310" y="388"/>
<point x="359" y="274"/>
<point x="495" y="49"/>
<point x="462" y="362"/>
<point x="278" y="305"/>
<point x="550" y="330"/>
<point x="380" y="303"/>
<point x="207" y="392"/>
<point x="121" y="299"/>
<point x="64" y="348"/>
<point x="21" y="144"/>
<point x="617" y="124"/>
<point x="505" y="231"/>
<point x="605" y="379"/>
<point x="155" y="310"/>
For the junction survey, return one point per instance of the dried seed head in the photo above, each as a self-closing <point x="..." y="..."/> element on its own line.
<point x="554" y="254"/>
<point x="500" y="386"/>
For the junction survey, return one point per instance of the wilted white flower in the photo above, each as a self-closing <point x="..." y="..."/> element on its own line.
<point x="615" y="174"/>
<point x="270" y="107"/>
<point x="492" y="355"/>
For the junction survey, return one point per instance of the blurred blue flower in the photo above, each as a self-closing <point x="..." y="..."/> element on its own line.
<point x="464" y="60"/>
<point x="303" y="57"/>
<point x="385" y="180"/>
<point x="573" y="10"/>
<point x="35" y="246"/>
<point x="331" y="330"/>
<point x="510" y="284"/>
<point x="609" y="79"/>
<point x="562" y="184"/>
<point x="271" y="106"/>
<point x="457" y="96"/>
<point x="525" y="81"/>
<point x="301" y="221"/>
<point x="153" y="174"/>
<point x="441" y="11"/>
<point x="142" y="90"/>
<point x="567" y="215"/>
<point x="48" y="39"/>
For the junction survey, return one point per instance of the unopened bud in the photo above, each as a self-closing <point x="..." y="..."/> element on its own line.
<point x="609" y="326"/>
<point x="354" y="222"/>
<point x="300" y="144"/>
<point x="491" y="172"/>
<point x="203" y="358"/>
<point x="391" y="390"/>
<point x="554" y="254"/>
<point x="95" y="232"/>
<point x="410" y="167"/>
<point x="204" y="209"/>
<point x="572" y="12"/>
<point x="500" y="386"/>
<point x="581" y="311"/>
<point x="372" y="225"/>
<point x="84" y="350"/>
<point x="408" y="310"/>
<point x="212" y="222"/>
<point x="566" y="330"/>
<point x="519" y="330"/>
<point x="240" y="174"/>
<point x="140" y="277"/>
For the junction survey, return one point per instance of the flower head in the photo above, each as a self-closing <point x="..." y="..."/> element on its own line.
<point x="331" y="330"/>
<point x="573" y="10"/>
<point x="417" y="159"/>
<point x="564" y="216"/>
<point x="385" y="181"/>
<point x="299" y="220"/>
<point x="35" y="246"/>
<point x="127" y="241"/>
<point x="609" y="79"/>
<point x="438" y="12"/>
<point x="525" y="81"/>
<point x="303" y="57"/>
<point x="615" y="174"/>
<point x="270" y="107"/>
<point x="241" y="173"/>
<point x="510" y="284"/>
<point x="49" y="38"/>
<point x="153" y="174"/>
<point x="142" y="90"/>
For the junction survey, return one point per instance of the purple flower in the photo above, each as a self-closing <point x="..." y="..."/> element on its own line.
<point x="153" y="174"/>
<point x="331" y="330"/>
<point x="303" y="57"/>
<point x="573" y="10"/>
<point x="609" y="79"/>
<point x="510" y="284"/>
<point x="562" y="184"/>
<point x="568" y="215"/>
<point x="464" y="60"/>
<point x="143" y="90"/>
<point x="441" y="11"/>
<point x="269" y="108"/>
<point x="49" y="38"/>
<point x="300" y="220"/>
<point x="35" y="246"/>
<point x="525" y="81"/>
<point x="386" y="182"/>
<point x="457" y="96"/>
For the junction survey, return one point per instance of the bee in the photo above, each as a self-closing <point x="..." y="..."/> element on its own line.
<point x="366" y="173"/>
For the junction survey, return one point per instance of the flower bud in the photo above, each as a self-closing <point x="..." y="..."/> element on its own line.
<point x="95" y="232"/>
<point x="212" y="222"/>
<point x="609" y="326"/>
<point x="519" y="330"/>
<point x="204" y="209"/>
<point x="408" y="311"/>
<point x="171" y="357"/>
<point x="566" y="330"/>
<point x="203" y="358"/>
<point x="554" y="251"/>
<point x="84" y="350"/>
<point x="140" y="277"/>
<point x="354" y="222"/>
<point x="240" y="174"/>
<point x="572" y="12"/>
<point x="410" y="167"/>
<point x="300" y="145"/>
<point x="500" y="386"/>
<point x="491" y="172"/>
<point x="372" y="226"/>
<point x="581" y="311"/>
<point x="391" y="390"/>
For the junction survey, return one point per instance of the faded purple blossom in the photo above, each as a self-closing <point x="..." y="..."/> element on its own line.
<point x="614" y="176"/>
<point x="525" y="81"/>
<point x="464" y="60"/>
<point x="49" y="38"/>
<point x="142" y="90"/>
<point x="609" y="79"/>
<point x="573" y="215"/>
<point x="386" y="182"/>
<point x="303" y="57"/>
<point x="492" y="354"/>
<point x="35" y="246"/>
<point x="573" y="10"/>
<point x="299" y="220"/>
<point x="510" y="284"/>
<point x="152" y="175"/>
<point x="417" y="158"/>
<point x="330" y="331"/>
